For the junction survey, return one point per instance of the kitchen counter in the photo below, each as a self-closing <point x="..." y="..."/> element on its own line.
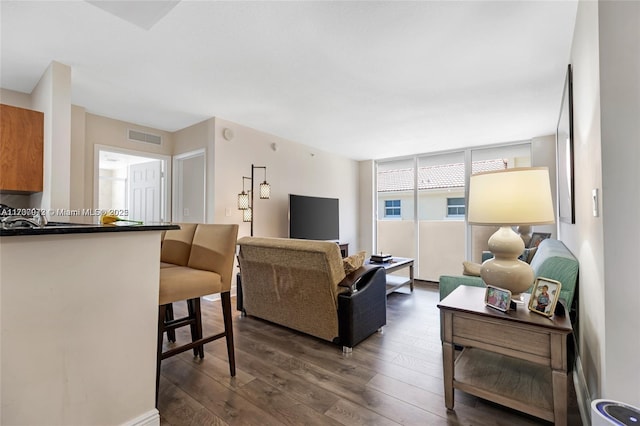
<point x="79" y="312"/>
<point x="61" y="228"/>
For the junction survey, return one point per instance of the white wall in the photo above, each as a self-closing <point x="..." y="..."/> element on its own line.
<point x="70" y="136"/>
<point x="52" y="95"/>
<point x="604" y="56"/>
<point x="584" y="238"/>
<point x="619" y="24"/>
<point x="17" y="99"/>
<point x="109" y="132"/>
<point x="191" y="138"/>
<point x="366" y="202"/>
<point x="200" y="136"/>
<point x="78" y="179"/>
<point x="192" y="189"/>
<point x="291" y="168"/>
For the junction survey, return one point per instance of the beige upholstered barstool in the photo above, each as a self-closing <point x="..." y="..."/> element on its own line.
<point x="208" y="270"/>
<point x="176" y="247"/>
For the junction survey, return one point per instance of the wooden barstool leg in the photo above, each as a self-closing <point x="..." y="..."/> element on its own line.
<point x="171" y="334"/>
<point x="162" y="312"/>
<point x="197" y="312"/>
<point x="193" y="325"/>
<point x="225" y="298"/>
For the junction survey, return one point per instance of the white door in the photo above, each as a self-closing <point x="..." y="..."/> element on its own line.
<point x="145" y="201"/>
<point x="189" y="187"/>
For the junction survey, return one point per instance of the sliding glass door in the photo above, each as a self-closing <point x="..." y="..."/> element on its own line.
<point x="441" y="213"/>
<point x="395" y="225"/>
<point x="421" y="207"/>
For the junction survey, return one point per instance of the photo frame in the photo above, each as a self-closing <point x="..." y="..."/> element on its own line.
<point x="497" y="298"/>
<point x="537" y="237"/>
<point x="544" y="296"/>
<point x="564" y="153"/>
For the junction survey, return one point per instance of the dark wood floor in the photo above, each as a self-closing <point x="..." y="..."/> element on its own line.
<point x="284" y="377"/>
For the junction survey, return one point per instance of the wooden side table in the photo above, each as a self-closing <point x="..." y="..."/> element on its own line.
<point x="517" y="359"/>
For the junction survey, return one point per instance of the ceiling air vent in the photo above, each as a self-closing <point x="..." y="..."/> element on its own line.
<point x="137" y="136"/>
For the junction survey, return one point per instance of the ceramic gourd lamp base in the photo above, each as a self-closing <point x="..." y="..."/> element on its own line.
<point x="505" y="270"/>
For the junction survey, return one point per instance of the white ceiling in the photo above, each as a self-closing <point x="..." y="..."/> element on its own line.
<point x="365" y="79"/>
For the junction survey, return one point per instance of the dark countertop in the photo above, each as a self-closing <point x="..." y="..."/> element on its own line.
<point x="62" y="228"/>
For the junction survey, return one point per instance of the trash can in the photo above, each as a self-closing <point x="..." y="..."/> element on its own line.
<point x="606" y="413"/>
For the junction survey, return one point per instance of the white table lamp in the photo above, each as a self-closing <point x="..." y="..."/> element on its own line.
<point x="511" y="197"/>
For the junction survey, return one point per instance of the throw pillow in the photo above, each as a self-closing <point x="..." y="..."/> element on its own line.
<point x="353" y="262"/>
<point x="470" y="268"/>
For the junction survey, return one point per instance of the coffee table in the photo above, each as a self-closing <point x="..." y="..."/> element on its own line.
<point x="516" y="358"/>
<point x="394" y="282"/>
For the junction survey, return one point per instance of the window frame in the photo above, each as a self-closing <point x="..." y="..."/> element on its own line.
<point x="393" y="207"/>
<point x="457" y="207"/>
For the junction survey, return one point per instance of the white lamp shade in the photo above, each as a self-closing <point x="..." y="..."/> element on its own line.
<point x="519" y="196"/>
<point x="247" y="215"/>
<point x="243" y="201"/>
<point x="265" y="190"/>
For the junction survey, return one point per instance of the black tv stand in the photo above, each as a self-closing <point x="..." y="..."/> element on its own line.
<point x="344" y="249"/>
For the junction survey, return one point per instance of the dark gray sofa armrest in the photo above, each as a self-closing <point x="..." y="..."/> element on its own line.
<point x="363" y="309"/>
<point x="357" y="279"/>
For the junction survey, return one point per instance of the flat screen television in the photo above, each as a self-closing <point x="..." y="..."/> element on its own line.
<point x="314" y="218"/>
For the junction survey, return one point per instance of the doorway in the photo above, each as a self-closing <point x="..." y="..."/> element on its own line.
<point x="189" y="187"/>
<point x="131" y="183"/>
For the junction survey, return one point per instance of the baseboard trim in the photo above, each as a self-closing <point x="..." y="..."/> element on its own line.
<point x="582" y="392"/>
<point x="150" y="418"/>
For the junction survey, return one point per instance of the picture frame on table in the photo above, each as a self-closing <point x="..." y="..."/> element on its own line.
<point x="544" y="296"/>
<point x="537" y="237"/>
<point x="497" y="298"/>
<point x="564" y="153"/>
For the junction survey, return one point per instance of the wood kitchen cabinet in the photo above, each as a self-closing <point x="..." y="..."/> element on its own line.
<point x="21" y="149"/>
